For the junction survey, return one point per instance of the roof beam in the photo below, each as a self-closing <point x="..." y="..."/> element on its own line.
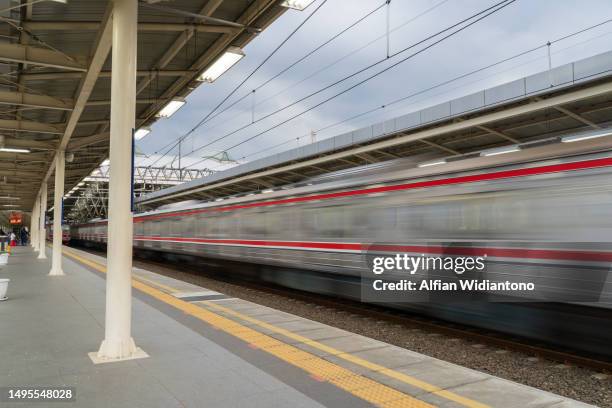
<point x="152" y="27"/>
<point x="45" y="76"/>
<point x="43" y="57"/>
<point x="255" y="9"/>
<point x="440" y="147"/>
<point x="28" y="144"/>
<point x="33" y="100"/>
<point x="578" y="117"/>
<point x="82" y="142"/>
<point x="101" y="50"/>
<point x="106" y="102"/>
<point x="29" y="126"/>
<point x="498" y="133"/>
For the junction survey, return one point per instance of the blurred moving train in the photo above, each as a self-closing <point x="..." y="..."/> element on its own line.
<point x="548" y="221"/>
<point x="66" y="235"/>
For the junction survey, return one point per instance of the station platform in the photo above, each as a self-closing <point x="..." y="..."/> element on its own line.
<point x="210" y="350"/>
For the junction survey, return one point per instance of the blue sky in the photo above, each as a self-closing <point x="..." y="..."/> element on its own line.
<point x="523" y="25"/>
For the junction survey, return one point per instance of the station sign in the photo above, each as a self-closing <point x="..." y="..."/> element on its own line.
<point x="15" y="218"/>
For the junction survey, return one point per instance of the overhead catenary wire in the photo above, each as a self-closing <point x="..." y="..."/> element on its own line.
<point x="440" y="84"/>
<point x="229" y="95"/>
<point x="487" y="12"/>
<point x="173" y="144"/>
<point x="491" y="11"/>
<point x="326" y="67"/>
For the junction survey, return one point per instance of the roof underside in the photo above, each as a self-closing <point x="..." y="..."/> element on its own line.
<point x="51" y="54"/>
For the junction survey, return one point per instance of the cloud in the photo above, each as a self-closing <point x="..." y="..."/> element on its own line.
<point x="520" y="26"/>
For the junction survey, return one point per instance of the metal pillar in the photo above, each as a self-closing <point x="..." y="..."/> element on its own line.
<point x="56" y="261"/>
<point x="34" y="225"/>
<point x="118" y="343"/>
<point x="42" y="237"/>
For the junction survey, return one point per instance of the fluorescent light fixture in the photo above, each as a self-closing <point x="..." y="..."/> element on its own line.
<point x="500" y="150"/>
<point x="219" y="199"/>
<point x="142" y="132"/>
<point x="171" y="107"/>
<point x="431" y="163"/>
<point x="81" y="184"/>
<point x="105" y="162"/>
<point x="10" y="198"/>
<point x="50" y="209"/>
<point x="13" y="150"/>
<point x="9" y="205"/>
<point x="270" y="190"/>
<point x="297" y="4"/>
<point x="586" y="136"/>
<point x="230" y="57"/>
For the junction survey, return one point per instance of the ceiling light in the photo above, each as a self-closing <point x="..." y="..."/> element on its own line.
<point x="10" y="198"/>
<point x="80" y="184"/>
<point x="297" y="4"/>
<point x="268" y="191"/>
<point x="500" y="150"/>
<point x="171" y="107"/>
<point x="431" y="163"/>
<point x="9" y="205"/>
<point x="105" y="162"/>
<point x="221" y="65"/>
<point x="142" y="132"/>
<point x="586" y="136"/>
<point x="13" y="150"/>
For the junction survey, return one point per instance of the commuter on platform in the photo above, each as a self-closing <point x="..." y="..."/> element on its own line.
<point x="3" y="240"/>
<point x="24" y="236"/>
<point x="13" y="239"/>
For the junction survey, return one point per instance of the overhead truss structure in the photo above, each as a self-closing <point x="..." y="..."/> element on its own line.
<point x="89" y="200"/>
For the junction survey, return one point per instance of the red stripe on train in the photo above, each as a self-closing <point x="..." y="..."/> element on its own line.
<point x="524" y="253"/>
<point x="555" y="168"/>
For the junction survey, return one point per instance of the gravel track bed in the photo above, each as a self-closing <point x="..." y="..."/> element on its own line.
<point x="570" y="381"/>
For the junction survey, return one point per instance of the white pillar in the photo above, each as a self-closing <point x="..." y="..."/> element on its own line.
<point x="118" y="343"/>
<point x="42" y="238"/>
<point x="56" y="260"/>
<point x="34" y="225"/>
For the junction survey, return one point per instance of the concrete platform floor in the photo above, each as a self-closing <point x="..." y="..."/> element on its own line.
<point x="209" y="350"/>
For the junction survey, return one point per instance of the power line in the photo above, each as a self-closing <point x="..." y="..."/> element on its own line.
<point x="445" y="83"/>
<point x="296" y="62"/>
<point x="488" y="11"/>
<point x="428" y="10"/>
<point x="295" y="30"/>
<point x="501" y="5"/>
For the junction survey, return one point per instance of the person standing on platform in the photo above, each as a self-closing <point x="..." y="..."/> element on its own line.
<point x="13" y="239"/>
<point x="3" y="240"/>
<point x="24" y="236"/>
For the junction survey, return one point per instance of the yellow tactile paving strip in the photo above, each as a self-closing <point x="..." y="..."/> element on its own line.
<point x="351" y="358"/>
<point x="359" y="386"/>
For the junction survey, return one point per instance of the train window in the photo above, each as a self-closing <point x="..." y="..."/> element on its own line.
<point x="331" y="222"/>
<point x="253" y="224"/>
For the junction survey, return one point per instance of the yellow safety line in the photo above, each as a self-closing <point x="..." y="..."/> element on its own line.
<point x="170" y="289"/>
<point x="355" y="384"/>
<point x="353" y="359"/>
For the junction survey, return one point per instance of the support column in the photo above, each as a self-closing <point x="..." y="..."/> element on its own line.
<point x="34" y="225"/>
<point x="118" y="343"/>
<point x="42" y="237"/>
<point x="56" y="260"/>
